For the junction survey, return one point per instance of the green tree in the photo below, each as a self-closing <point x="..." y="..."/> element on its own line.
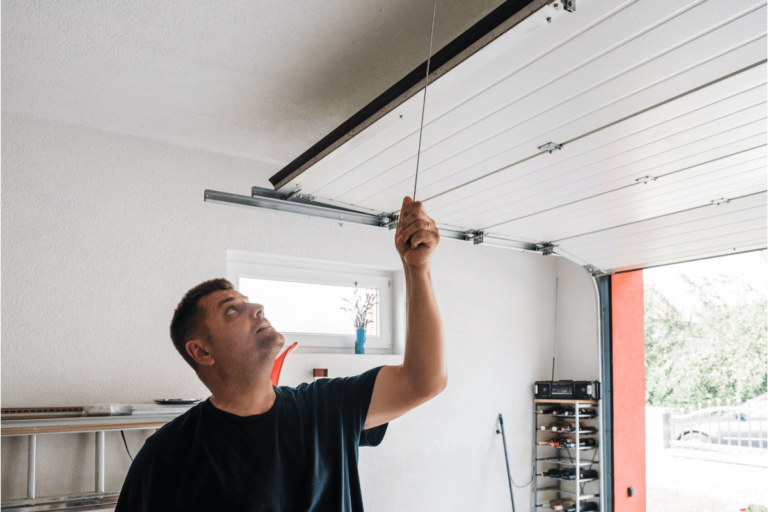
<point x="715" y="350"/>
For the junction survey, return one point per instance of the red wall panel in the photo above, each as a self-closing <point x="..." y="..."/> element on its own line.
<point x="628" y="391"/>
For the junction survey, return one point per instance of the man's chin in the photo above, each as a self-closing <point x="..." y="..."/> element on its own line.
<point x="271" y="340"/>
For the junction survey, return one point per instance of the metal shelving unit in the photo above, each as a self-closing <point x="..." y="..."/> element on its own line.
<point x="75" y="420"/>
<point x="577" y="461"/>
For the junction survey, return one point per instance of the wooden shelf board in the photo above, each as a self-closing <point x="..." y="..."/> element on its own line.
<point x="60" y="429"/>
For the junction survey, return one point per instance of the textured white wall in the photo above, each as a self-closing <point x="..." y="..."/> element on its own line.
<point x="577" y="350"/>
<point x="102" y="235"/>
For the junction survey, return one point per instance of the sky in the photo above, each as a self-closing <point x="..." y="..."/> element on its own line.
<point x="737" y="270"/>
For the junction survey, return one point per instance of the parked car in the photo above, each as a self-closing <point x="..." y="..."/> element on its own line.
<point x="741" y="426"/>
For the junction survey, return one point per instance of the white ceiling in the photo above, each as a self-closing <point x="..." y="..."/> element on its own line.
<point x="672" y="89"/>
<point x="259" y="79"/>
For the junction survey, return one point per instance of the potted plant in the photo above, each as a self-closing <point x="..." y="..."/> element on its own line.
<point x="359" y="311"/>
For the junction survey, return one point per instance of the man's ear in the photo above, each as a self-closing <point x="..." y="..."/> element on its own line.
<point x="196" y="350"/>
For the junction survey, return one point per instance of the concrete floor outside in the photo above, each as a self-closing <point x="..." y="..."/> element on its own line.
<point x="678" y="480"/>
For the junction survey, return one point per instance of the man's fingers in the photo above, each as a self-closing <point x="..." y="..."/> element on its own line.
<point x="410" y="207"/>
<point x="411" y="214"/>
<point x="422" y="237"/>
<point x="414" y="226"/>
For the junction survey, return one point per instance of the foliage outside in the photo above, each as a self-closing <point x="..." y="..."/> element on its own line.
<point x="715" y="350"/>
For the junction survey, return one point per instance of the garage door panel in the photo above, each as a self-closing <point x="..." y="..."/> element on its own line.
<point x="736" y="243"/>
<point x="650" y="155"/>
<point x="493" y="134"/>
<point x="512" y="210"/>
<point x="738" y="210"/>
<point x="529" y="188"/>
<point x="758" y="245"/>
<point x="651" y="193"/>
<point x="671" y="237"/>
<point x="443" y="179"/>
<point x="599" y="220"/>
<point x="649" y="197"/>
<point x="555" y="185"/>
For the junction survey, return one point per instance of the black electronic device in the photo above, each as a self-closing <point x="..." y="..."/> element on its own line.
<point x="587" y="390"/>
<point x="567" y="389"/>
<point x="542" y="389"/>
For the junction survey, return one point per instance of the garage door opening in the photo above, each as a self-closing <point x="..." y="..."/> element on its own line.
<point x="706" y="426"/>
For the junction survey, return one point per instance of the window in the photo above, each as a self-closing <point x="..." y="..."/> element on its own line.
<point x="303" y="298"/>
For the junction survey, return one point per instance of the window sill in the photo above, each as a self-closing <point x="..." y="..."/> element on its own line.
<point x="298" y="366"/>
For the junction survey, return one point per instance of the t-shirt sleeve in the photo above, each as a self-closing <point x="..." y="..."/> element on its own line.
<point x="357" y="393"/>
<point x="148" y="486"/>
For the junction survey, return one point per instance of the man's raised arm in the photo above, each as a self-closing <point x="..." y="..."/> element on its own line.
<point x="423" y="374"/>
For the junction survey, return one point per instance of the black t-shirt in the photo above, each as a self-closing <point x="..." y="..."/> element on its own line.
<point x="301" y="455"/>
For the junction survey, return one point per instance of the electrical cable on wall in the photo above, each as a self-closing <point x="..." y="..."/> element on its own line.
<point x="506" y="459"/>
<point x="126" y="444"/>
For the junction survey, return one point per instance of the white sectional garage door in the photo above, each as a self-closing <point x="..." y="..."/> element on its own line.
<point x="659" y="107"/>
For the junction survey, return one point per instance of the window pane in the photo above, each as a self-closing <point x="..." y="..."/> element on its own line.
<point x="308" y="308"/>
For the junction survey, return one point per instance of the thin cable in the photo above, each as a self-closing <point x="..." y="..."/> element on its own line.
<point x="554" y="341"/>
<point x="506" y="459"/>
<point x="424" y="103"/>
<point x="509" y="474"/>
<point x="126" y="444"/>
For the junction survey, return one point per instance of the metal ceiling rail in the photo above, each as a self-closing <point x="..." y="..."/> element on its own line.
<point x="285" y="205"/>
<point x="299" y="204"/>
<point x="545" y="150"/>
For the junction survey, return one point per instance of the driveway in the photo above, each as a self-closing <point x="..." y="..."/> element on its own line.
<point x="676" y="481"/>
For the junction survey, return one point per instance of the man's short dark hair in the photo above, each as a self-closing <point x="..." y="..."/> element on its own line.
<point x="188" y="316"/>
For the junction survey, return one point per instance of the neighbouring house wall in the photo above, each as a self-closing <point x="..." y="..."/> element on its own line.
<point x="103" y="234"/>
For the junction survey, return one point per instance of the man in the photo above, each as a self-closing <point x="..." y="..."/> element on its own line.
<point x="252" y="446"/>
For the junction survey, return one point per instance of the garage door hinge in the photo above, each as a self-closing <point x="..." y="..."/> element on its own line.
<point x="546" y="248"/>
<point x="296" y="194"/>
<point x="569" y="5"/>
<point x="596" y="272"/>
<point x="549" y="147"/>
<point x="646" y="179"/>
<point x="475" y="236"/>
<point x="720" y="201"/>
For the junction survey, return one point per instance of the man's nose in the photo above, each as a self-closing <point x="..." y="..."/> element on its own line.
<point x="257" y="310"/>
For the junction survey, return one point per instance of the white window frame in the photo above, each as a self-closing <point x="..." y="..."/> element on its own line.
<point x="287" y="268"/>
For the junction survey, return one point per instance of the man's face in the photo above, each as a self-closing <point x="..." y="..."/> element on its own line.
<point x="241" y="337"/>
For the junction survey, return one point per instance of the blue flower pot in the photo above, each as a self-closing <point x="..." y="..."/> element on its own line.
<point x="359" y="348"/>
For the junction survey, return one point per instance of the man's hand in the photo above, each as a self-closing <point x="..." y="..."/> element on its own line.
<point x="423" y="374"/>
<point x="416" y="236"/>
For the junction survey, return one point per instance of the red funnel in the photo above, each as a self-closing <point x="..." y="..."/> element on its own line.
<point x="278" y="366"/>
